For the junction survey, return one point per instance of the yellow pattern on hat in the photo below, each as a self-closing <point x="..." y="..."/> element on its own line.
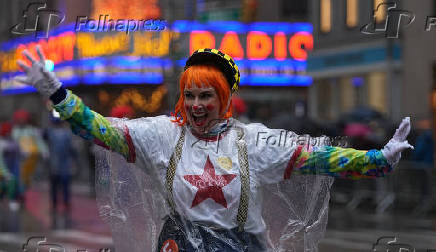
<point x="231" y="71"/>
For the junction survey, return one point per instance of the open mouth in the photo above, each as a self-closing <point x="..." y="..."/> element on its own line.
<point x="199" y="119"/>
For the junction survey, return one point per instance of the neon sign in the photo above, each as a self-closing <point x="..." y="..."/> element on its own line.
<point x="88" y="46"/>
<point x="267" y="54"/>
<point x="259" y="44"/>
<point x="58" y="49"/>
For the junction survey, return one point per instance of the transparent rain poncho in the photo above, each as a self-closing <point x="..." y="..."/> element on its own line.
<point x="283" y="214"/>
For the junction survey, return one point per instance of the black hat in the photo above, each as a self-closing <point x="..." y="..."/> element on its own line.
<point x="221" y="60"/>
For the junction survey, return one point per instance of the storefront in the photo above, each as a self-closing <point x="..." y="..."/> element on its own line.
<point x="354" y="77"/>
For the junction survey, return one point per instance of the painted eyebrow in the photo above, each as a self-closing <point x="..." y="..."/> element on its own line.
<point x="202" y="92"/>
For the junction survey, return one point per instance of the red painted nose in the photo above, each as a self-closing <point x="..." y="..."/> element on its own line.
<point x="195" y="107"/>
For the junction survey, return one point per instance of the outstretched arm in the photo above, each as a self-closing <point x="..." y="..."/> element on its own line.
<point x="338" y="162"/>
<point x="84" y="122"/>
<point x="91" y="125"/>
<point x="350" y="163"/>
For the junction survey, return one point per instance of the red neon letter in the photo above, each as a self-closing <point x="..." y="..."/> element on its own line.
<point x="231" y="45"/>
<point x="61" y="48"/>
<point x="259" y="45"/>
<point x="201" y="39"/>
<point x="295" y="43"/>
<point x="280" y="46"/>
<point x="19" y="55"/>
<point x="31" y="48"/>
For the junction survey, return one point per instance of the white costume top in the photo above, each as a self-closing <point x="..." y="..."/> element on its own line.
<point x="207" y="184"/>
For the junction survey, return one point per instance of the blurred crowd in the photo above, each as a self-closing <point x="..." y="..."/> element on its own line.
<point x="23" y="146"/>
<point x="408" y="189"/>
<point x="30" y="153"/>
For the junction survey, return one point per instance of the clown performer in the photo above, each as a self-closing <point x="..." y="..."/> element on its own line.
<point x="201" y="172"/>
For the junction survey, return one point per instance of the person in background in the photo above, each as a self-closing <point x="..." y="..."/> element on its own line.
<point x="10" y="152"/>
<point x="62" y="154"/>
<point x="5" y="176"/>
<point x="422" y="156"/>
<point x="122" y="112"/>
<point x="32" y="146"/>
<point x="239" y="109"/>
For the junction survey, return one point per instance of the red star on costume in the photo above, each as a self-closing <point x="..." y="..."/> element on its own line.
<point x="209" y="185"/>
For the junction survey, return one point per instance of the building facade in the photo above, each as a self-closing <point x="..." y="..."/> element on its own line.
<point x="350" y="68"/>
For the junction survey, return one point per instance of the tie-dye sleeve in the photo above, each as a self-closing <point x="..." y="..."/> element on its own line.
<point x="93" y="126"/>
<point x="338" y="162"/>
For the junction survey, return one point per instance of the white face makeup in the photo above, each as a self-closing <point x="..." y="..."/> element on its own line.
<point x="202" y="108"/>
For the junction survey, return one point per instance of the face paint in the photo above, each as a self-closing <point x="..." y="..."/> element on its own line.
<point x="202" y="108"/>
<point x="210" y="107"/>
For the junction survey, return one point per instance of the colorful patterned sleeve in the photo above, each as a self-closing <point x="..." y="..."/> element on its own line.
<point x="337" y="162"/>
<point x="93" y="126"/>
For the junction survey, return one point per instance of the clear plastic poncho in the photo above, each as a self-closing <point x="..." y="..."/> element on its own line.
<point x="283" y="214"/>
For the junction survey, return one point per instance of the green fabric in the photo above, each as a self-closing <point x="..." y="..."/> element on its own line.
<point x="91" y="125"/>
<point x="340" y="162"/>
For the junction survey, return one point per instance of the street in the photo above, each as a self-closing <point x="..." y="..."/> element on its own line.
<point x="347" y="231"/>
<point x="87" y="231"/>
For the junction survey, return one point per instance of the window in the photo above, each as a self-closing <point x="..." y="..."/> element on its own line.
<point x="434" y="8"/>
<point x="352" y="17"/>
<point x="296" y="9"/>
<point x="380" y="13"/>
<point x="325" y="16"/>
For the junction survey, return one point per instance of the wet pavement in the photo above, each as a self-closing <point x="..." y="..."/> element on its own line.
<point x="348" y="230"/>
<point x="84" y="231"/>
<point x="358" y="231"/>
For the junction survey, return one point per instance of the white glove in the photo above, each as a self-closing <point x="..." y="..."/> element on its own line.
<point x="392" y="150"/>
<point x="44" y="81"/>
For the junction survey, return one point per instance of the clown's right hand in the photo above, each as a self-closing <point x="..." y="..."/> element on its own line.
<point x="36" y="75"/>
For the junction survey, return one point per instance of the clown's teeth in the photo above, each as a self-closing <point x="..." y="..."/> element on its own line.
<point x="200" y="120"/>
<point x="199" y="114"/>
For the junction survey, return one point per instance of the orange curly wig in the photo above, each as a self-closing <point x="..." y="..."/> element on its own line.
<point x="203" y="76"/>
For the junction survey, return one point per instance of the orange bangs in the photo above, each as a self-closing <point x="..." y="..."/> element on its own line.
<point x="203" y="76"/>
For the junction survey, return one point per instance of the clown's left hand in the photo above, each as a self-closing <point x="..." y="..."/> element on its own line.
<point x="392" y="150"/>
<point x="37" y="75"/>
